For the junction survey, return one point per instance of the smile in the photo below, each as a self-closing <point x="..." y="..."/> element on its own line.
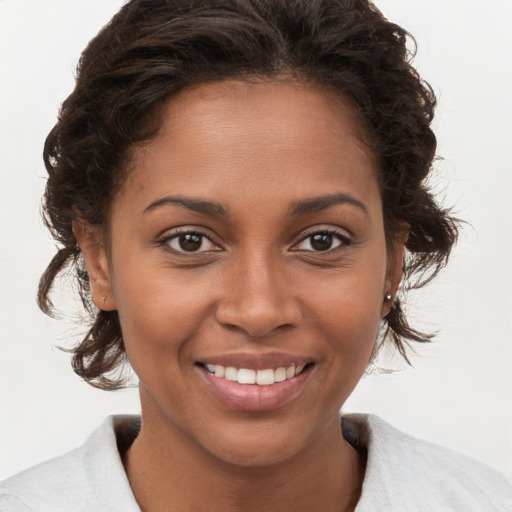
<point x="265" y="377"/>
<point x="266" y="385"/>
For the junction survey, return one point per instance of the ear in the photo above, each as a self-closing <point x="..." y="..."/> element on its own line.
<point x="394" y="271"/>
<point x="91" y="243"/>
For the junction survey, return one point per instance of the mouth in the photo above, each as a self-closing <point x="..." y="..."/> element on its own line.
<point x="256" y="389"/>
<point x="264" y="377"/>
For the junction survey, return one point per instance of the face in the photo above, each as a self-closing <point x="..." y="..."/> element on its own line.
<point x="248" y="264"/>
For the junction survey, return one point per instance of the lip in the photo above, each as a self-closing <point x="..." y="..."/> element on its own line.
<point x="272" y="360"/>
<point x="252" y="397"/>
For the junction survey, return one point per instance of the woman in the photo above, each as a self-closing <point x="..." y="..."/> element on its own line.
<point x="240" y="187"/>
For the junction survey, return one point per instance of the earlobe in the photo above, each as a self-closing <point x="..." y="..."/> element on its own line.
<point x="91" y="243"/>
<point x="394" y="271"/>
<point x="387" y="304"/>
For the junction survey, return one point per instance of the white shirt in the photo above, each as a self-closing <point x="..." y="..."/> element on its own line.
<point x="403" y="474"/>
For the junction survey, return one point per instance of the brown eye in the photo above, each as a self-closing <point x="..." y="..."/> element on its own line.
<point x="191" y="242"/>
<point x="322" y="241"/>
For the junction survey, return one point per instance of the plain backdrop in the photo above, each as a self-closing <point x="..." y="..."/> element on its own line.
<point x="459" y="392"/>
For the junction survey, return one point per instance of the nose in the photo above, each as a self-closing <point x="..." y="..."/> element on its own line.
<point x="258" y="299"/>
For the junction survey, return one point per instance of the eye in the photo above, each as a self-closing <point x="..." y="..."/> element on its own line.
<point x="191" y="242"/>
<point x="322" y="241"/>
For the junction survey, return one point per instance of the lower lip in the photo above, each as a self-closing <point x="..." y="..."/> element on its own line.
<point x="252" y="397"/>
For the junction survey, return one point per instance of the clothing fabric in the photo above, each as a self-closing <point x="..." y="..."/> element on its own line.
<point x="403" y="474"/>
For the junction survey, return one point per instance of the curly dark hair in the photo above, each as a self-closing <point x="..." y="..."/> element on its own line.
<point x="152" y="49"/>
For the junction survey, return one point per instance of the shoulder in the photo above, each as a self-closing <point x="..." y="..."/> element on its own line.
<point x="32" y="488"/>
<point x="81" y="480"/>
<point x="405" y="473"/>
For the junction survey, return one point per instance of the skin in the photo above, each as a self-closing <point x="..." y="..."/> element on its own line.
<point x="256" y="286"/>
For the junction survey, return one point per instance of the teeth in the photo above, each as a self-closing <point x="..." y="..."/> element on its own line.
<point x="246" y="376"/>
<point x="280" y="375"/>
<point x="265" y="377"/>
<point x="260" y="377"/>
<point x="231" y="373"/>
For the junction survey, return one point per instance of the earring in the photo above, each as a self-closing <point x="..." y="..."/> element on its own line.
<point x="388" y="297"/>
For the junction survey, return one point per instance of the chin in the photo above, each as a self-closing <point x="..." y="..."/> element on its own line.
<point x="262" y="443"/>
<point x="260" y="453"/>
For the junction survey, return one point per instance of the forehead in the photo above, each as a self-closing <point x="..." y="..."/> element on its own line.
<point x="268" y="138"/>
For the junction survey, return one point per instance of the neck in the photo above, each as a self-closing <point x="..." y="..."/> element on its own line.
<point x="169" y="471"/>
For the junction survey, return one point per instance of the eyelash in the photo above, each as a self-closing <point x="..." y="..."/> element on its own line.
<point x="343" y="239"/>
<point x="166" y="241"/>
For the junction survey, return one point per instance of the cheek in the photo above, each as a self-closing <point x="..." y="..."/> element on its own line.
<point x="158" y="312"/>
<point x="352" y="329"/>
<point x="350" y="308"/>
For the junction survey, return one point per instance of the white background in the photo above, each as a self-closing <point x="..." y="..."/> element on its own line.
<point x="459" y="393"/>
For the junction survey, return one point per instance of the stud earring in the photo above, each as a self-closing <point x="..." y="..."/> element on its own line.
<point x="388" y="297"/>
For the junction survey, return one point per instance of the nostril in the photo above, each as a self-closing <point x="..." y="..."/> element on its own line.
<point x="258" y="319"/>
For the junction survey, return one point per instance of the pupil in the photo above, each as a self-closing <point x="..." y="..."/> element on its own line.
<point x="190" y="242"/>
<point x="321" y="241"/>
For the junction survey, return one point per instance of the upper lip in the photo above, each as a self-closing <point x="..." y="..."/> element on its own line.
<point x="256" y="361"/>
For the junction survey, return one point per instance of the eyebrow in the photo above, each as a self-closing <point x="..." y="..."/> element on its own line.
<point x="317" y="204"/>
<point x="297" y="208"/>
<point x="196" y="205"/>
